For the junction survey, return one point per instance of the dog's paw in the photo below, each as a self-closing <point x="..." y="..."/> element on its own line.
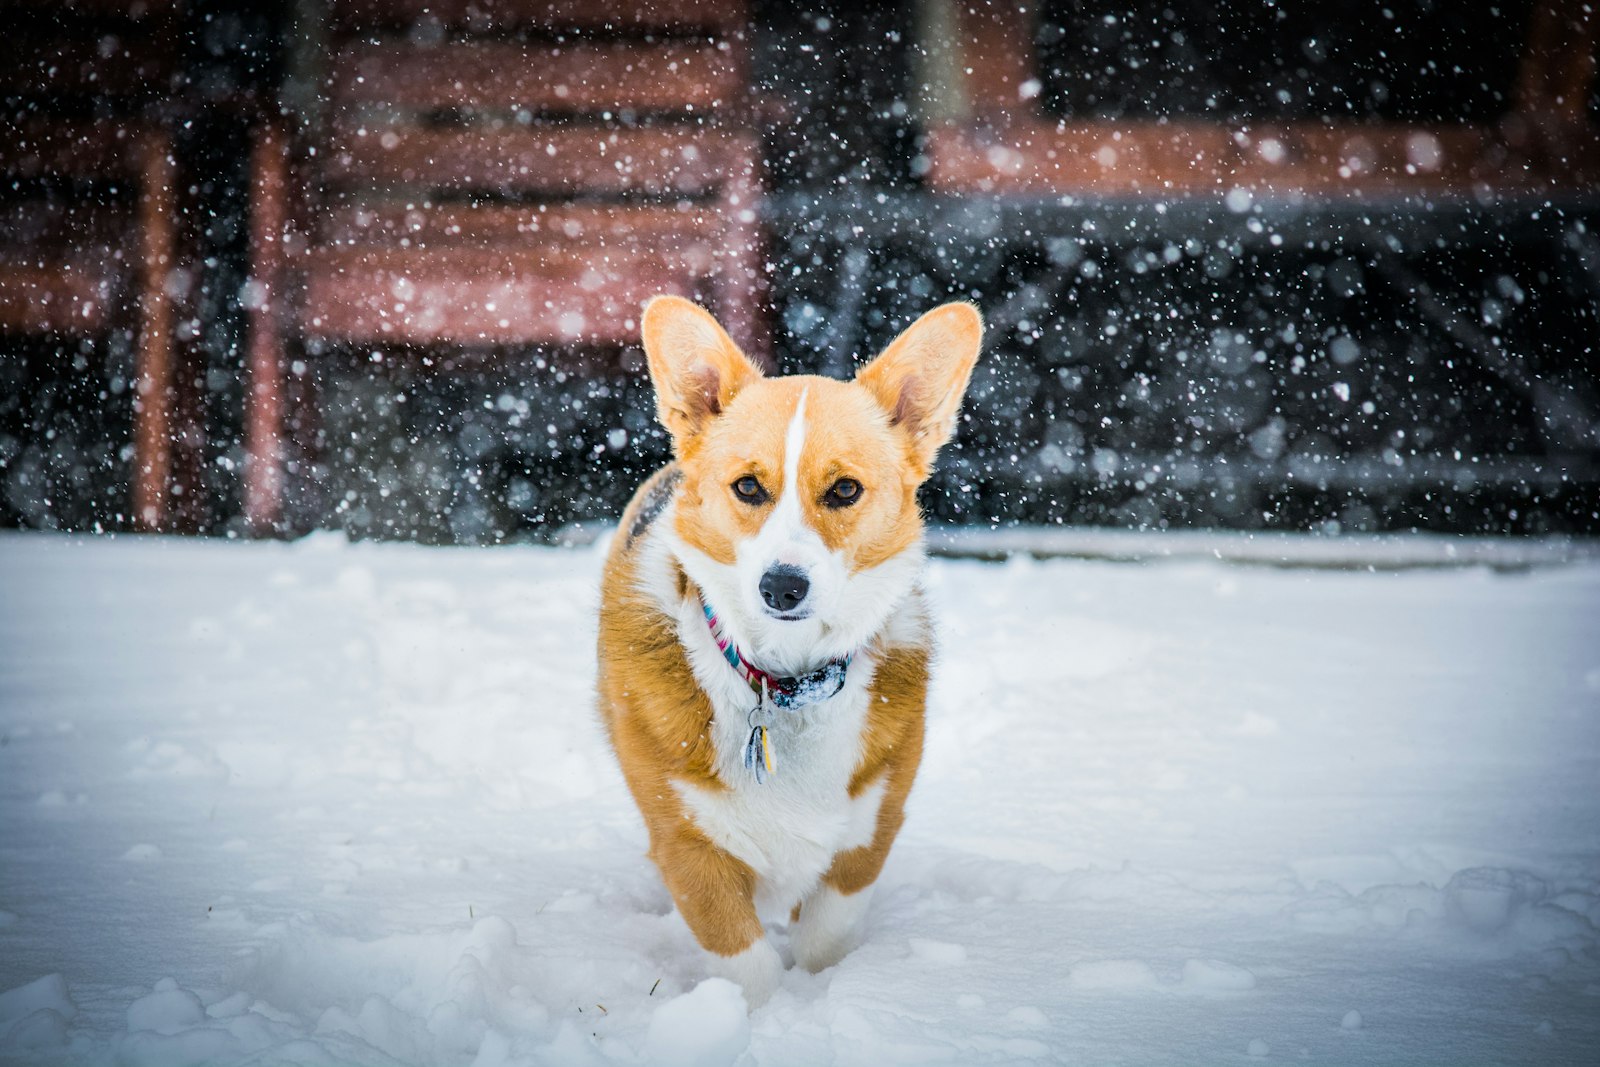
<point x="828" y="928"/>
<point x="757" y="970"/>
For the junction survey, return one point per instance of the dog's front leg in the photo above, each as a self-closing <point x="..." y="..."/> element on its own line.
<point x="715" y="894"/>
<point x="828" y="927"/>
<point x="829" y="922"/>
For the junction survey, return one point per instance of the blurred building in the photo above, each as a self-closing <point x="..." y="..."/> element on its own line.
<point x="376" y="264"/>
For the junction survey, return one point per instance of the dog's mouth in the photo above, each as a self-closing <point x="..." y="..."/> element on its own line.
<point x="791" y="616"/>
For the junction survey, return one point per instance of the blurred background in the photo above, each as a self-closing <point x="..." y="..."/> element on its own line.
<point x="376" y="265"/>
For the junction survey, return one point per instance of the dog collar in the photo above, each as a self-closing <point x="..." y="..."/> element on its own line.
<point x="771" y="690"/>
<point x="788" y="693"/>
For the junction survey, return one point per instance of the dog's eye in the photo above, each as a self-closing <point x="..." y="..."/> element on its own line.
<point x="749" y="490"/>
<point x="842" y="493"/>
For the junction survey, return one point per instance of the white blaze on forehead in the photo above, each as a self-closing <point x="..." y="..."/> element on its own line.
<point x="793" y="442"/>
<point x="785" y="538"/>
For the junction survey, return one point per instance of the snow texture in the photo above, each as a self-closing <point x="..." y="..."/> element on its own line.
<point x="322" y="803"/>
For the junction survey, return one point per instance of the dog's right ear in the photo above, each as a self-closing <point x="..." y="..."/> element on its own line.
<point x="696" y="367"/>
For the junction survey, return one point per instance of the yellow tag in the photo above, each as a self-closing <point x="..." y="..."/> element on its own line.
<point x="766" y="752"/>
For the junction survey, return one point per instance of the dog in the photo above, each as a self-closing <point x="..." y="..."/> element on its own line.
<point x="764" y="643"/>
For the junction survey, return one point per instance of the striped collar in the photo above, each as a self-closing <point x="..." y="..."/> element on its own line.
<point x="788" y="693"/>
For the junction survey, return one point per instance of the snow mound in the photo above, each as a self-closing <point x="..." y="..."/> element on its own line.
<point x="167" y="1010"/>
<point x="35" y="1016"/>
<point x="1215" y="976"/>
<point x="708" y="1026"/>
<point x="49" y="992"/>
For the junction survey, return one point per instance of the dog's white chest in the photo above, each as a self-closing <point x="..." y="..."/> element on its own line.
<point x="789" y="827"/>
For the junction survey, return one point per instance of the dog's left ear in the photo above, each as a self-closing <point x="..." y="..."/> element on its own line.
<point x="696" y="367"/>
<point x="920" y="377"/>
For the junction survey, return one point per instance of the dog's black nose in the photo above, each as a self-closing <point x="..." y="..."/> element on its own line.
<point x="783" y="587"/>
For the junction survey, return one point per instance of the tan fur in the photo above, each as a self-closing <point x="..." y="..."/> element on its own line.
<point x="920" y="377"/>
<point x="893" y="751"/>
<point x="728" y="421"/>
<point x="657" y="718"/>
<point x="845" y="422"/>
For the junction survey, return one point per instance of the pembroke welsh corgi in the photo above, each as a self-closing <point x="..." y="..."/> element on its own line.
<point x="764" y="644"/>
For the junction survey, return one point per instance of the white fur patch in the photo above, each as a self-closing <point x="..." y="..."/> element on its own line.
<point x="829" y="927"/>
<point x="757" y="970"/>
<point x="788" y="828"/>
<point x="794" y="442"/>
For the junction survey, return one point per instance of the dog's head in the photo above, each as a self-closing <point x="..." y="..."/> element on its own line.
<point x="797" y="512"/>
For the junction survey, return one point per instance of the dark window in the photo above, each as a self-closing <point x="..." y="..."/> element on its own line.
<point x="1407" y="60"/>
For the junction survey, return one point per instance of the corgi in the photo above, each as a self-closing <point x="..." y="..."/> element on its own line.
<point x="763" y="641"/>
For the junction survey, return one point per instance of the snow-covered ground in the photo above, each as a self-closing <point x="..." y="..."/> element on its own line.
<point x="322" y="803"/>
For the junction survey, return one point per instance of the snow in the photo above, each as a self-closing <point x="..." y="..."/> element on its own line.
<point x="329" y="803"/>
<point x="709" y="1026"/>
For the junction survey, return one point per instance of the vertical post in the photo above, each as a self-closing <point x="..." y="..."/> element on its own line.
<point x="1558" y="65"/>
<point x="737" y="283"/>
<point x="740" y="281"/>
<point x="264" y="397"/>
<point x="153" y="389"/>
<point x="996" y="46"/>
